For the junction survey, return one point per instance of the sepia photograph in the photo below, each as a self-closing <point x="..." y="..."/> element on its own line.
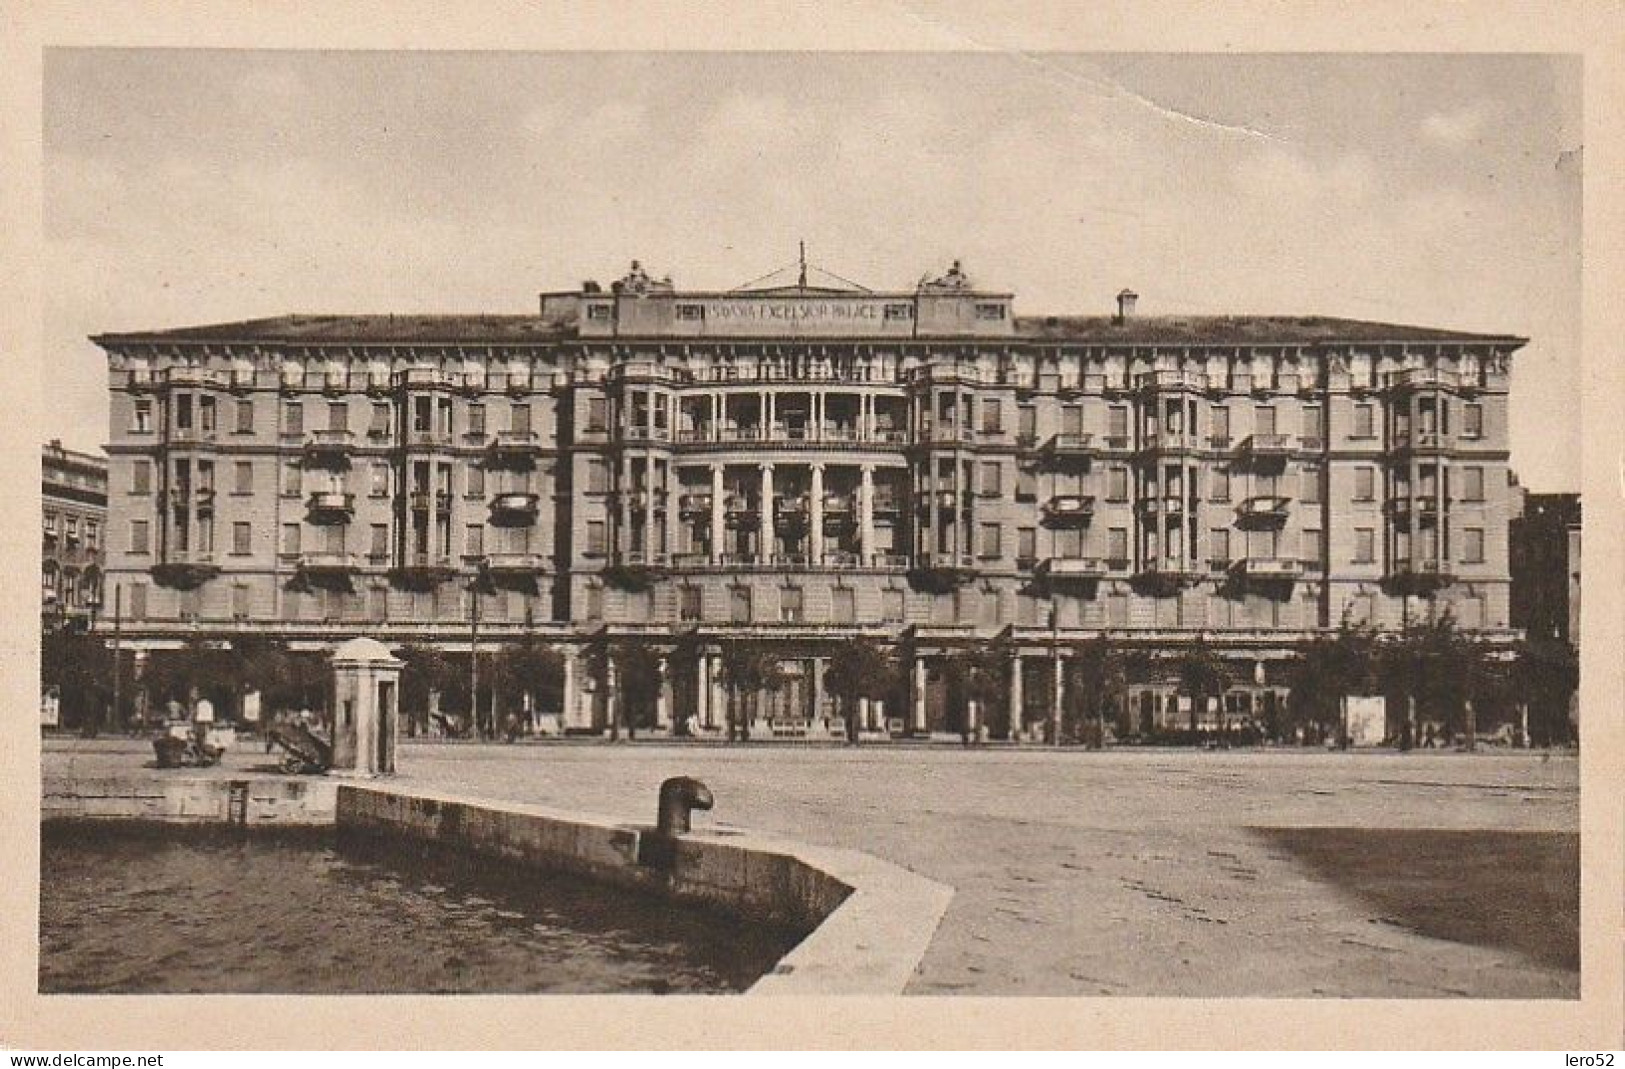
<point x="989" y="524"/>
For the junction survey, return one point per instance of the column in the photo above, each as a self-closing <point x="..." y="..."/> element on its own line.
<point x="648" y="508"/>
<point x="765" y="546"/>
<point x="818" y="687"/>
<point x="673" y="505"/>
<point x="1059" y="693"/>
<point x="815" y="515"/>
<point x="716" y="417"/>
<point x="702" y="684"/>
<point x="719" y="694"/>
<point x="623" y="507"/>
<point x="918" y="694"/>
<point x="719" y="522"/>
<point x="612" y="699"/>
<point x="572" y="698"/>
<point x="866" y="515"/>
<point x="662" y="703"/>
<point x="1015" y="697"/>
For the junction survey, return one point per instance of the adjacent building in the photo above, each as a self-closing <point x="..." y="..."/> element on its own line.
<point x="74" y="521"/>
<point x="1545" y="560"/>
<point x="803" y="464"/>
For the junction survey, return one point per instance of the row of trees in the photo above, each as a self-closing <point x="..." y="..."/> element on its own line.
<point x="1430" y="672"/>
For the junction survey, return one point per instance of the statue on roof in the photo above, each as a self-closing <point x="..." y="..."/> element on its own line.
<point x="637" y="281"/>
<point x="955" y="280"/>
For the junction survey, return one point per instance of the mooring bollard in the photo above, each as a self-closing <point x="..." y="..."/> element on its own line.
<point x="679" y="796"/>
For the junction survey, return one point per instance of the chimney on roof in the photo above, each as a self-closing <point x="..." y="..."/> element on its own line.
<point x="590" y="286"/>
<point x="1125" y="305"/>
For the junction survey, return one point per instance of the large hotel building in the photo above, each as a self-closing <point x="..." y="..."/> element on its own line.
<point x="802" y="464"/>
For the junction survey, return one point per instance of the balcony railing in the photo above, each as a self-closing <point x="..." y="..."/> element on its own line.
<point x="1263" y="509"/>
<point x="1264" y="445"/>
<point x="1069" y="445"/>
<point x="329" y="443"/>
<point x="1422" y="377"/>
<point x="694" y="504"/>
<point x="423" y="500"/>
<point x="330" y="505"/>
<point x="1168" y="505"/>
<point x="1172" y="380"/>
<point x="947" y="562"/>
<point x="515" y="443"/>
<point x="1069" y="508"/>
<point x="1077" y="568"/>
<point x="422" y="439"/>
<point x="1268" y="568"/>
<point x="517" y="507"/>
<point x="328" y="562"/>
<point x="1416" y="440"/>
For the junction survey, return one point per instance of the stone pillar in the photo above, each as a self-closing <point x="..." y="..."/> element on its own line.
<point x="1015" y="697"/>
<point x="702" y="684"/>
<point x="570" y="715"/>
<point x="366" y="700"/>
<point x="818" y="687"/>
<point x="662" y="702"/>
<point x="717" y="410"/>
<point x="765" y="534"/>
<point x="669" y="527"/>
<point x="918" y="694"/>
<point x="815" y="518"/>
<point x="719" y="521"/>
<point x="866" y="516"/>
<point x="648" y="504"/>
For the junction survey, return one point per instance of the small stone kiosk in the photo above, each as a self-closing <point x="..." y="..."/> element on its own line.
<point x="366" y="694"/>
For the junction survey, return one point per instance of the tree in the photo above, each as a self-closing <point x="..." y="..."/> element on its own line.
<point x="528" y="674"/>
<point x="1328" y="669"/>
<point x="639" y="678"/>
<point x="1545" y="673"/>
<point x="80" y="667"/>
<point x="683" y="669"/>
<point x="1203" y="674"/>
<point x="978" y="674"/>
<point x="748" y="667"/>
<point x="428" y="673"/>
<point x="861" y="669"/>
<point x="1096" y="680"/>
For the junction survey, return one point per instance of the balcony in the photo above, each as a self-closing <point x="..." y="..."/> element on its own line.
<point x="1264" y="447"/>
<point x="1069" y="510"/>
<point x="329" y="445"/>
<point x="330" y="506"/>
<point x="1156" y="440"/>
<point x="185" y="569"/>
<point x="1422" y="576"/>
<point x="424" y="378"/>
<point x="514" y="509"/>
<point x="1163" y="576"/>
<point x="328" y="563"/>
<point x="1263" y="510"/>
<point x="1166" y="381"/>
<point x="1422" y="509"/>
<point x="423" y="500"/>
<point x="1069" y="445"/>
<point x="694" y="504"/>
<point x="742" y="512"/>
<point x="791" y="513"/>
<point x="644" y="433"/>
<point x="1420" y="378"/>
<point x="647" y="371"/>
<point x="886" y="504"/>
<point x="1276" y="569"/>
<point x="1071" y="569"/>
<point x="837" y="505"/>
<point x="426" y="568"/>
<point x="1407" y="441"/>
<point x="515" y="563"/>
<point x="950" y="568"/>
<point x="514" y="445"/>
<point x="417" y="438"/>
<point x="635" y="569"/>
<point x="1170" y="506"/>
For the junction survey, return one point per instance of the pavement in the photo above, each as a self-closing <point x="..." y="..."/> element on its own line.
<point x="1123" y="872"/>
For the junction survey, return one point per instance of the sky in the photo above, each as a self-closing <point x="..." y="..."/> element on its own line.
<point x="193" y="186"/>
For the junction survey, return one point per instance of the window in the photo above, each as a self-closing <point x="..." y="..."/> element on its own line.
<point x="1364" y="421"/>
<point x="378" y="544"/>
<point x="141" y="477"/>
<point x="1264" y="420"/>
<point x="140" y="534"/>
<point x="596" y="539"/>
<point x="1365" y="484"/>
<point x="1117" y="483"/>
<point x="519" y="419"/>
<point x="338" y="416"/>
<point x="597" y="475"/>
<point x="597" y="414"/>
<point x="599" y="312"/>
<point x="843" y="605"/>
<point x="92" y="535"/>
<point x="138" y="601"/>
<point x="239" y="601"/>
<point x="1218" y="546"/>
<point x="1117" y="422"/>
<point x="241" y="538"/>
<point x="1472" y="545"/>
<point x="378" y="603"/>
<point x="989" y="310"/>
<point x="379" y="425"/>
<point x="992" y="416"/>
<point x="594" y="608"/>
<point x="1026" y="485"/>
<point x="1218" y="485"/>
<point x="1365" y="545"/>
<point x="293" y="418"/>
<point x="141" y="418"/>
<point x="1311" y="548"/>
<point x="892" y="605"/>
<point x="1311" y="422"/>
<point x="1472" y="420"/>
<point x="692" y="313"/>
<point x="688" y="603"/>
<point x="242" y="477"/>
<point x="739" y="607"/>
<point x="476" y="419"/>
<point x="476" y="481"/>
<point x="1117" y="544"/>
<point x="1311" y="485"/>
<point x="790" y="605"/>
<point x="473" y="540"/>
<point x="1027" y="421"/>
<point x="292" y="479"/>
<point x="245" y="417"/>
<point x="990" y="485"/>
<point x="379" y="486"/>
<point x="290" y="539"/>
<point x="990" y="540"/>
<point x="1027" y="543"/>
<point x="899" y="311"/>
<point x="1472" y="484"/>
<point x="1219" y="424"/>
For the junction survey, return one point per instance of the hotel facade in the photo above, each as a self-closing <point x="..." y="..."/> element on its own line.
<point x="803" y="464"/>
